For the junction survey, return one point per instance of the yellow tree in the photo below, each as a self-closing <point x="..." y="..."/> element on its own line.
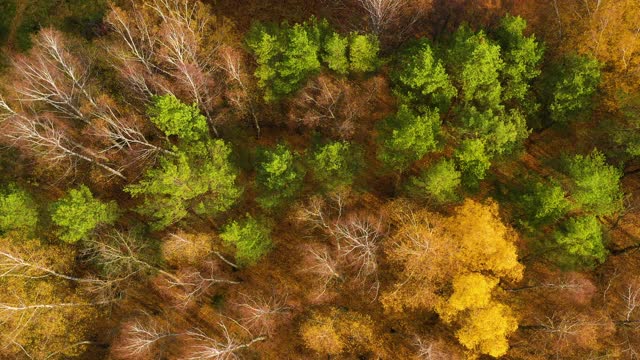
<point x="43" y="311"/>
<point x="452" y="265"/>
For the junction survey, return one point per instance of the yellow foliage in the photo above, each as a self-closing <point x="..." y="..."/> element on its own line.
<point x="485" y="330"/>
<point x="470" y="291"/>
<point x="338" y="331"/>
<point x="463" y="256"/>
<point x="42" y="332"/>
<point x="482" y="242"/>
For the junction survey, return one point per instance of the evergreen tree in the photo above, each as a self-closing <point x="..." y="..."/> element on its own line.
<point x="279" y="176"/>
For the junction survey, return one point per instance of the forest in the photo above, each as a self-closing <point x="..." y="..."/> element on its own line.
<point x="319" y="179"/>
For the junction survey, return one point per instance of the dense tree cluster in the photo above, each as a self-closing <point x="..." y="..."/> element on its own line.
<point x="383" y="179"/>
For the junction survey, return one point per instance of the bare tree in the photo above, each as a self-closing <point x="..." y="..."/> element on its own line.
<point x="323" y="265"/>
<point x="139" y="340"/>
<point x="39" y="135"/>
<point x="261" y="313"/>
<point x="383" y="13"/>
<point x="225" y="348"/>
<point x="194" y="283"/>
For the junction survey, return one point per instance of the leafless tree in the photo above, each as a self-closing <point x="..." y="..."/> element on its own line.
<point x="138" y="339"/>
<point x="261" y="313"/>
<point x="225" y="348"/>
<point x="40" y="136"/>
<point x="430" y="350"/>
<point x="324" y="266"/>
<point x="383" y="13"/>
<point x="631" y="298"/>
<point x="193" y="283"/>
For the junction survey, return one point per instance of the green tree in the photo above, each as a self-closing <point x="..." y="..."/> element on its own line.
<point x="336" y="164"/>
<point x="521" y="56"/>
<point x="363" y="53"/>
<point x="544" y="203"/>
<point x="595" y="185"/>
<point x="335" y="52"/>
<point x="78" y="213"/>
<point x="581" y="241"/>
<point x="420" y="79"/>
<point x="279" y="176"/>
<point x="472" y="160"/>
<point x="439" y="182"/>
<point x="286" y="55"/>
<point x="571" y="86"/>
<point x="475" y="63"/>
<point x="176" y="118"/>
<point x="199" y="177"/>
<point x="18" y="211"/>
<point x="502" y="131"/>
<point x="406" y="137"/>
<point x="250" y="237"/>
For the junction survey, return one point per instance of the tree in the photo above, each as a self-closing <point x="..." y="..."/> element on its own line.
<point x="286" y="55"/>
<point x="199" y="177"/>
<point x="363" y="53"/>
<point x="595" y="186"/>
<point x="475" y="64"/>
<point x="420" y="78"/>
<point x="485" y="329"/>
<point x="439" y="182"/>
<point x="176" y="118"/>
<point x="337" y="332"/>
<point x="452" y="265"/>
<point x="544" y="203"/>
<point x="18" y="211"/>
<point x="170" y="47"/>
<point x="521" y="56"/>
<point x="336" y="164"/>
<point x="406" y="137"/>
<point x="45" y="313"/>
<point x="78" y="214"/>
<point x="581" y="241"/>
<point x="571" y="86"/>
<point x="279" y="176"/>
<point x="335" y="52"/>
<point x="250" y="237"/>
<point x="472" y="161"/>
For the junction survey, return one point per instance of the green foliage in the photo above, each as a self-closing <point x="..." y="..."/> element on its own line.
<point x="363" y="53"/>
<point x="199" y="177"/>
<point x="279" y="176"/>
<point x="595" y="184"/>
<point x="571" y="86"/>
<point x="406" y="137"/>
<point x="78" y="213"/>
<point x="176" y="118"/>
<point x="439" y="182"/>
<point x="18" y="211"/>
<point x="501" y="131"/>
<point x="250" y="237"/>
<point x="286" y="55"/>
<point x="420" y="79"/>
<point x="544" y="203"/>
<point x="521" y="56"/>
<point x="472" y="160"/>
<point x="335" y="54"/>
<point x="476" y="65"/>
<point x="581" y="241"/>
<point x="336" y="164"/>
